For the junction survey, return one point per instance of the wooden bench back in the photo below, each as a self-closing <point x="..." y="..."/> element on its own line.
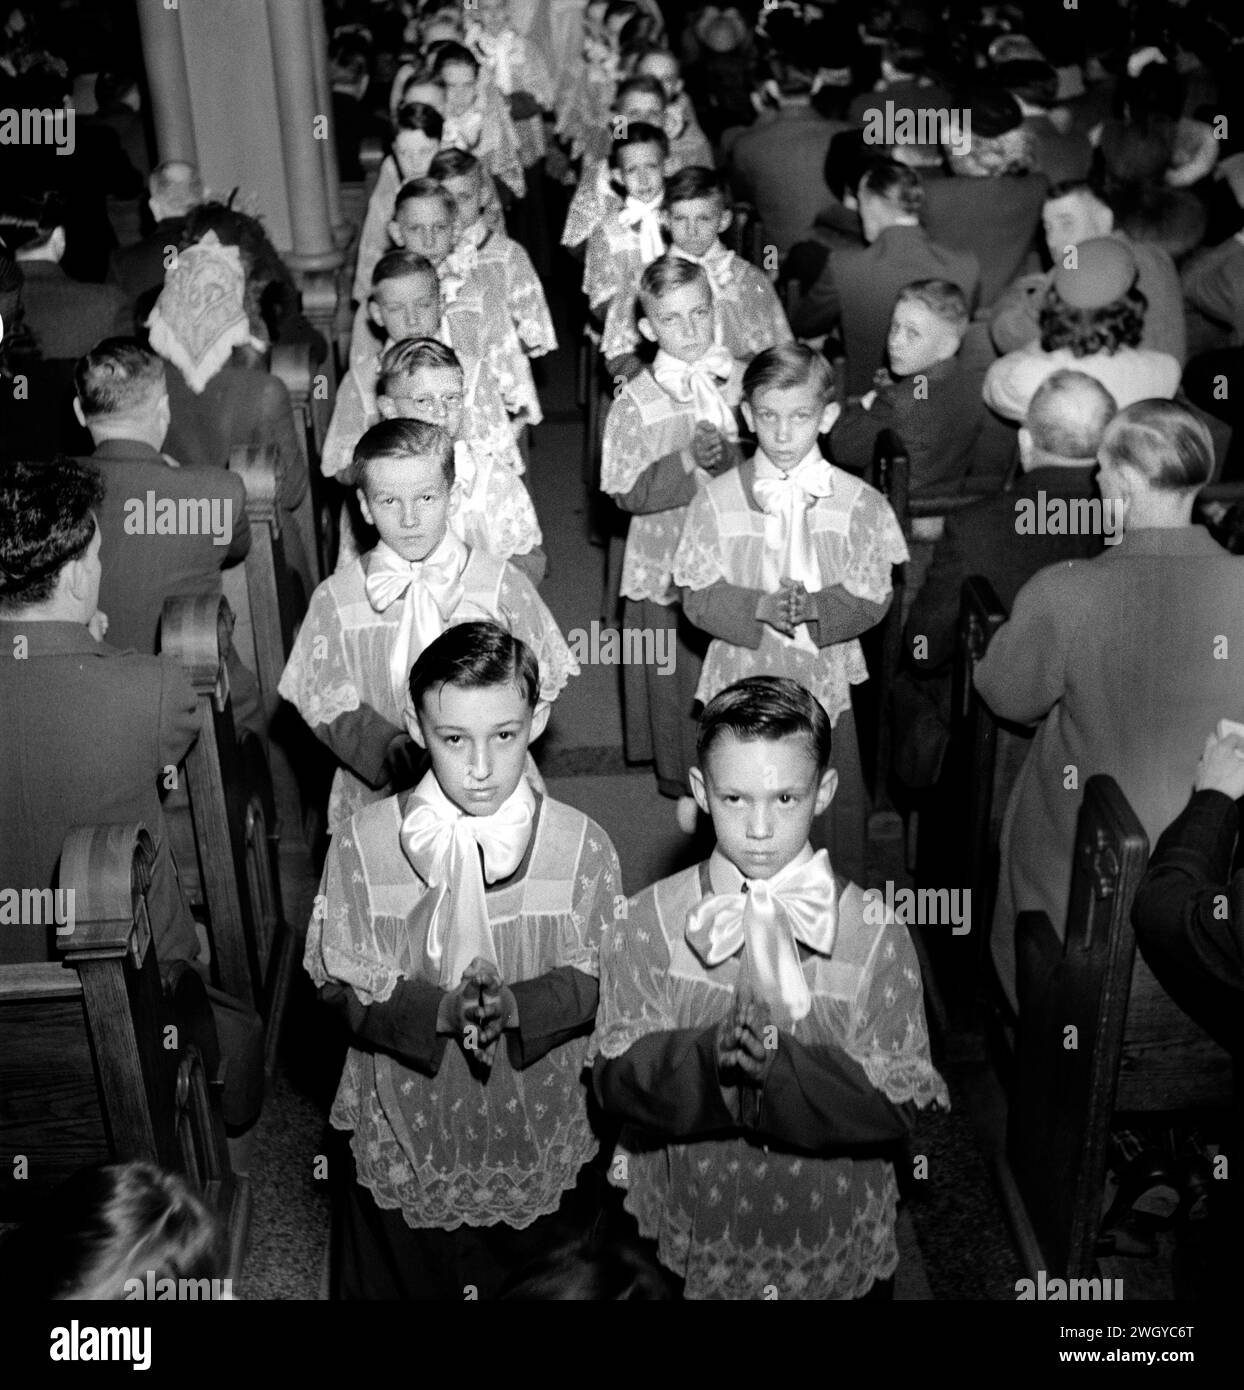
<point x="101" y="1060"/>
<point x="231" y="803"/>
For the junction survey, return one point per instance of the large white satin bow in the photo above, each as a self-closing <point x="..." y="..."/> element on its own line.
<point x="454" y="854"/>
<point x="766" y="921"/>
<point x="646" y="219"/>
<point x="718" y="266"/>
<point x="454" y="270"/>
<point x="789" y="549"/>
<point x="701" y="382"/>
<point x="500" y="52"/>
<point x="431" y="590"/>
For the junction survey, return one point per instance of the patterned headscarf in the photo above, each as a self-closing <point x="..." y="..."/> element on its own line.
<point x="200" y="316"/>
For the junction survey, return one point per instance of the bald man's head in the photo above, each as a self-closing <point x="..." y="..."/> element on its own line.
<point x="1065" y="422"/>
<point x="175" y="188"/>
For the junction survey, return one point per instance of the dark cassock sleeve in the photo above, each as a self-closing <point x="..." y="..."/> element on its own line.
<point x="403" y="1026"/>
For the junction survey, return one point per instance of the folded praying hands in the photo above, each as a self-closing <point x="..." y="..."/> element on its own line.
<point x="480" y="1009"/>
<point x="746" y="1039"/>
<point x="786" y="608"/>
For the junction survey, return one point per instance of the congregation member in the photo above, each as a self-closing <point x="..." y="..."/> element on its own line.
<point x="1155" y="616"/>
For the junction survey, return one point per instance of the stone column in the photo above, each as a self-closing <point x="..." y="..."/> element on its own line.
<point x="164" y="56"/>
<point x="342" y="229"/>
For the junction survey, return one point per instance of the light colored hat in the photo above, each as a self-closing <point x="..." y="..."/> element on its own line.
<point x="1104" y="271"/>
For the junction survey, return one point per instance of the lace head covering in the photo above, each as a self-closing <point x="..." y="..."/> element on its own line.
<point x="200" y="316"/>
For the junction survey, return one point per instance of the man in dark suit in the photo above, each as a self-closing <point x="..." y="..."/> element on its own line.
<point x="776" y="164"/>
<point x="857" y="289"/>
<point x="1058" y="452"/>
<point x="67" y="317"/>
<point x="174" y="189"/>
<point x="991" y="205"/>
<point x="123" y="401"/>
<point x="933" y="400"/>
<point x="90" y="731"/>
<point x="905" y="83"/>
<point x="1062" y="156"/>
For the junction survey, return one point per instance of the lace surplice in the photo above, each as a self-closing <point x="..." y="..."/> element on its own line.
<point x="340" y="660"/>
<point x="735" y="1217"/>
<point x="646" y="424"/>
<point x="857" y="540"/>
<point x="454" y="1149"/>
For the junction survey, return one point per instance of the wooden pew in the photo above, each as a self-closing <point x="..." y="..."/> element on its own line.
<point x="1134" y="1052"/>
<point x="235" y="836"/>
<point x="103" y="1059"/>
<point x="259" y="591"/>
<point x="291" y="362"/>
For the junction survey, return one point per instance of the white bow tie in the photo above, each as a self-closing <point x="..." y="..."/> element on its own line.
<point x="454" y="854"/>
<point x="500" y="52"/>
<point x="454" y="270"/>
<point x="646" y="218"/>
<point x="766" y="921"/>
<point x="789" y="549"/>
<point x="701" y="382"/>
<point x="432" y="589"/>
<point x="719" y="268"/>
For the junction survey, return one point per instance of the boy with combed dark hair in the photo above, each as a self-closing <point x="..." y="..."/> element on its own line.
<point x="785" y="561"/>
<point x="405" y="302"/>
<point x="623" y="244"/>
<point x="761" y="1032"/>
<point x="668" y="431"/>
<point x="749" y="314"/>
<point x="368" y="622"/>
<point x="457" y="932"/>
<point x="515" y="310"/>
<point x="421" y="379"/>
<point x="931" y="394"/>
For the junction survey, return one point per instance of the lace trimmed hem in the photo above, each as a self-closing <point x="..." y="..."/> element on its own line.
<point x="524" y="1209"/>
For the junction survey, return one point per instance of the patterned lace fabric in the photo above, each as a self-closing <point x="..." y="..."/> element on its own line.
<point x="857" y="540"/>
<point x="496" y="513"/>
<point x="613" y="260"/>
<point x="456" y="1149"/>
<point x="734" y="1216"/>
<point x="340" y="659"/>
<point x="593" y="201"/>
<point x="645" y="424"/>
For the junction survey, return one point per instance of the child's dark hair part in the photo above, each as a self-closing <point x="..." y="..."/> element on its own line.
<point x="787" y="366"/>
<point x="402" y="440"/>
<point x="474" y="655"/>
<point x="769" y="708"/>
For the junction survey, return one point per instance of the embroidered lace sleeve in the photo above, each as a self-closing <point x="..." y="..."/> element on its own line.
<point x="697" y="561"/>
<point x="317" y="679"/>
<point x="342" y="942"/>
<point x="499" y="147"/>
<point x="600" y="270"/>
<point x="509" y="518"/>
<point x="374" y="238"/>
<point x="634" y="966"/>
<point x="597" y="892"/>
<point x="621" y="333"/>
<point x="486" y="423"/>
<point x="889" y="1037"/>
<point x="530" y="619"/>
<point x="345" y="429"/>
<point x="876" y="544"/>
<point x="623" y="453"/>
<point x="586" y="210"/>
<point x="528" y="306"/>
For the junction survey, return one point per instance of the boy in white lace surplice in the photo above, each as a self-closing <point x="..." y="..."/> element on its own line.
<point x="749" y="314"/>
<point x="631" y="238"/>
<point x="516" y="313"/>
<point x="367" y="623"/>
<point x="667" y="432"/>
<point x="405" y="302"/>
<point x="464" y="1089"/>
<point x="786" y="561"/>
<point x="421" y="379"/>
<point x="758" y="998"/>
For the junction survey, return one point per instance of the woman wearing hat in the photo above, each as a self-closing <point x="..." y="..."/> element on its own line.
<point x="1092" y="321"/>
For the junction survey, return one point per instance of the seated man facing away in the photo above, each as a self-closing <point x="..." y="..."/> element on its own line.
<point x="90" y="732"/>
<point x="933" y="397"/>
<point x="174" y="189"/>
<point x="168" y="531"/>
<point x="1058" y="445"/>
